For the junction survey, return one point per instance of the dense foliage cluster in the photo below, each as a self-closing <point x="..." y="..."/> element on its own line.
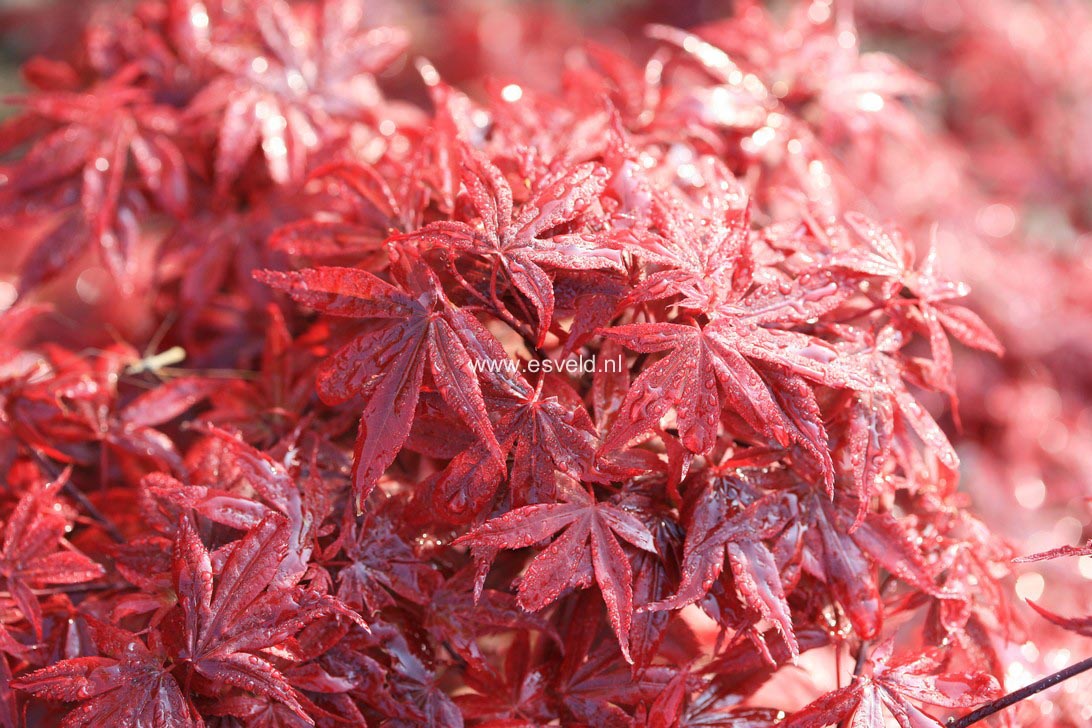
<point x="347" y="473"/>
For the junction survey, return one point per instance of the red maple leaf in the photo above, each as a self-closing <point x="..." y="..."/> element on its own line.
<point x="898" y="685"/>
<point x="386" y="365"/>
<point x="549" y="435"/>
<point x="587" y="549"/>
<point x="96" y="132"/>
<point x="715" y="533"/>
<point x="128" y="682"/>
<point x="292" y="80"/>
<point x="224" y="620"/>
<point x="34" y="552"/>
<point x="729" y="363"/>
<point x="516" y="244"/>
<point x="847" y="554"/>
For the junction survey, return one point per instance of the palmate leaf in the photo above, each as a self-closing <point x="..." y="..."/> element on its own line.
<point x="382" y="567"/>
<point x="127" y="684"/>
<point x="587" y="549"/>
<point x="267" y="409"/>
<point x="228" y="618"/>
<point x="847" y="556"/>
<point x="460" y="617"/>
<point x="549" y="435"/>
<point x="308" y="76"/>
<point x="74" y="414"/>
<point x="722" y="364"/>
<point x="898" y="686"/>
<point x="714" y="535"/>
<point x="134" y="431"/>
<point x="281" y="485"/>
<point x="675" y="707"/>
<point x="385" y="366"/>
<point x="515" y="242"/>
<point x="517" y="689"/>
<point x="95" y="133"/>
<point x="377" y="209"/>
<point x="704" y="246"/>
<point x="592" y="684"/>
<point x="223" y="621"/>
<point x="34" y="553"/>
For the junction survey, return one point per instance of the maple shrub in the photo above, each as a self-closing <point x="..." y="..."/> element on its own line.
<point x="287" y="433"/>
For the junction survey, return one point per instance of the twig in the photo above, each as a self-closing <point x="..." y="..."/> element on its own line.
<point x="69" y="589"/>
<point x="1025" y="692"/>
<point x="862" y="657"/>
<point x="858" y="668"/>
<point x="93" y="511"/>
<point x="79" y="496"/>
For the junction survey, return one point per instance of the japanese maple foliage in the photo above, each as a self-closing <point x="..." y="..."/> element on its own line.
<point x="341" y="470"/>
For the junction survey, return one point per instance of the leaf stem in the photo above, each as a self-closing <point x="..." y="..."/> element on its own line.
<point x="1025" y="692"/>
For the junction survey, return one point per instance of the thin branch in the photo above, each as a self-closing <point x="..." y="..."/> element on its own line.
<point x="862" y="657"/>
<point x="78" y="495"/>
<point x="70" y="589"/>
<point x="858" y="668"/>
<point x="1025" y="692"/>
<point x="92" y="510"/>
